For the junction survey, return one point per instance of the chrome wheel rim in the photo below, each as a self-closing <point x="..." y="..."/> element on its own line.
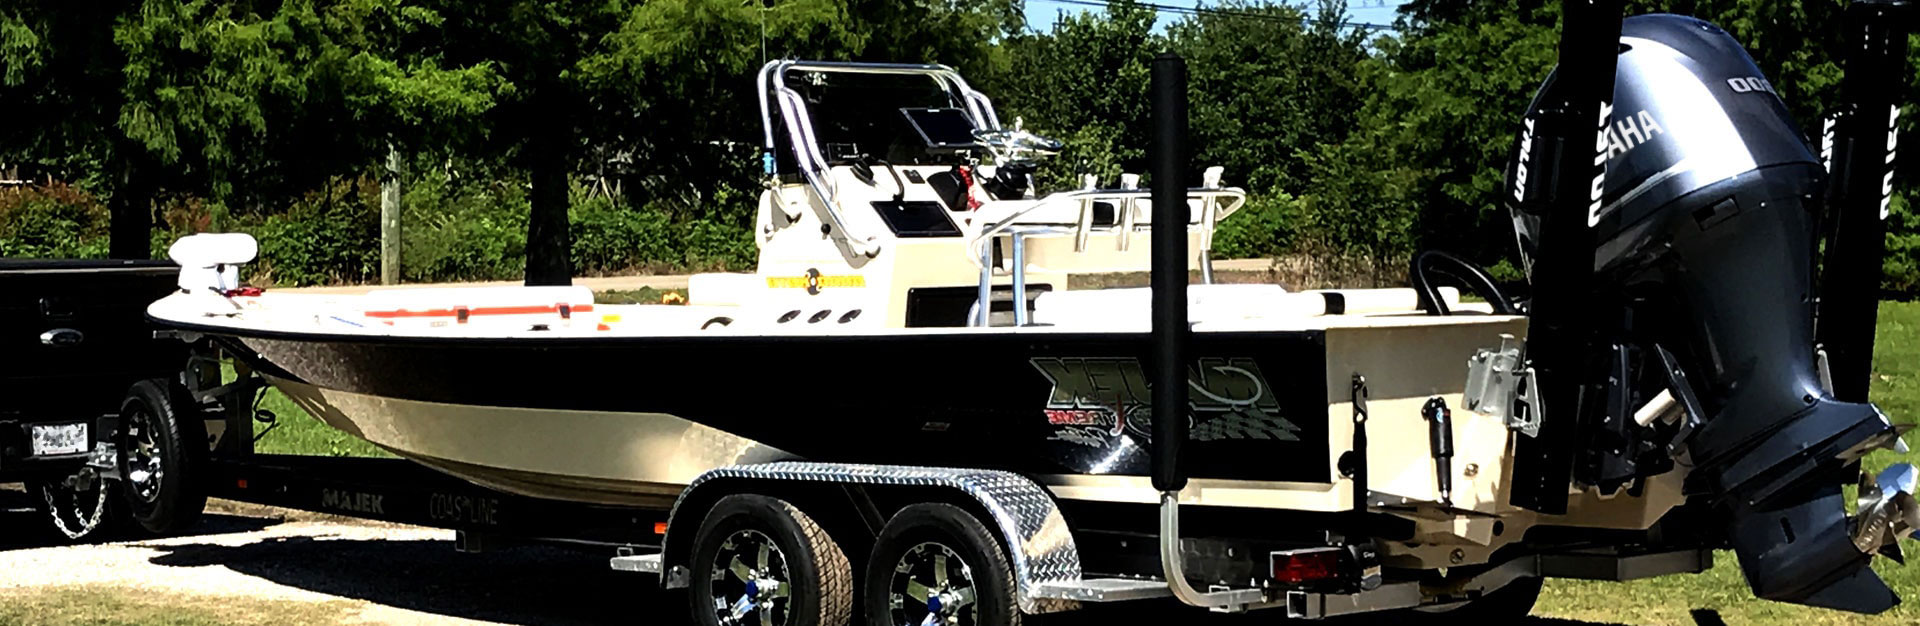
<point x="144" y="469"/>
<point x="933" y="585"/>
<point x="751" y="584"/>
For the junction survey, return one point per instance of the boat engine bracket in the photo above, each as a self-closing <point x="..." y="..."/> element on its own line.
<point x="1501" y="385"/>
<point x="1040" y="544"/>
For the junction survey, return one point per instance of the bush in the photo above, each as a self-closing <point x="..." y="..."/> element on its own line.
<point x="51" y="221"/>
<point x="1265" y="227"/>
<point x="710" y="244"/>
<point x="1900" y="269"/>
<point x="330" y="236"/>
<point x="455" y="231"/>
<point x="609" y="238"/>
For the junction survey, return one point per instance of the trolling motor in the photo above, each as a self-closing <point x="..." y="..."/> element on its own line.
<point x="1695" y="256"/>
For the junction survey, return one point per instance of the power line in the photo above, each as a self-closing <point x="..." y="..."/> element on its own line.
<point x="1194" y="11"/>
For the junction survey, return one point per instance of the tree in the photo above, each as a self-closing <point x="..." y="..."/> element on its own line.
<point x="686" y="68"/>
<point x="666" y="84"/>
<point x="59" y="92"/>
<point x="1085" y="83"/>
<point x="1269" y="82"/>
<point x="242" y="103"/>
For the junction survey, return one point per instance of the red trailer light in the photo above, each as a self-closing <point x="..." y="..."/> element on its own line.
<point x="1294" y="567"/>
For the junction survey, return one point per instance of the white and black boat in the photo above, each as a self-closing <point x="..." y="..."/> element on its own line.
<point x="913" y="307"/>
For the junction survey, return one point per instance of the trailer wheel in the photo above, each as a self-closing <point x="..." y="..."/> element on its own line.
<point x="936" y="563"/>
<point x="159" y="457"/>
<point x="77" y="514"/>
<point x="759" y="561"/>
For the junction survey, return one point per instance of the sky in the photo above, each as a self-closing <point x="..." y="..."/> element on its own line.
<point x="1041" y="13"/>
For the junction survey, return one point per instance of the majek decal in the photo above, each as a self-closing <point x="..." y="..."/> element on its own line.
<point x="1230" y="399"/>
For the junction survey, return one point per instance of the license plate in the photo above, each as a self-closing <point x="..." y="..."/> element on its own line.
<point x="52" y="439"/>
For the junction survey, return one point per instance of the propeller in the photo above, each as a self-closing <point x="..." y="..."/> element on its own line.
<point x="1887" y="511"/>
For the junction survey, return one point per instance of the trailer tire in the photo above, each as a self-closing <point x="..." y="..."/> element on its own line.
<point x="917" y="547"/>
<point x="161" y="445"/>
<point x="793" y="551"/>
<point x="74" y="516"/>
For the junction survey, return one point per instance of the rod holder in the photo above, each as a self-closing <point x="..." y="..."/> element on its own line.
<point x="1860" y="150"/>
<point x="1572" y="142"/>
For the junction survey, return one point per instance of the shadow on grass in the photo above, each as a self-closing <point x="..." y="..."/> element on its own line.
<point x="549" y="585"/>
<point x="558" y="586"/>
<point x="519" y="585"/>
<point x="23" y="527"/>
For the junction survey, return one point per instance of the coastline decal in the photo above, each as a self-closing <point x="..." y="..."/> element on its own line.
<point x="1095" y="400"/>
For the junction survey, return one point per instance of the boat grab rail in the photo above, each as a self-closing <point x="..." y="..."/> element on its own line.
<point x="1211" y="209"/>
<point x="806" y="147"/>
<point x="981" y="255"/>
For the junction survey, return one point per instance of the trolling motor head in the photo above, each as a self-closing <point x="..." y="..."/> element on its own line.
<point x="1705" y="234"/>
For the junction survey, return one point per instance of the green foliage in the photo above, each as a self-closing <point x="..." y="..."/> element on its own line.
<point x="1266" y="227"/>
<point x="610" y="238"/>
<point x="326" y="237"/>
<point x="53" y="221"/>
<point x="1901" y="267"/>
<point x="456" y="229"/>
<point x="1423" y="168"/>
<point x="1085" y="83"/>
<point x="272" y="117"/>
<point x="643" y="295"/>
<point x="1267" y="84"/>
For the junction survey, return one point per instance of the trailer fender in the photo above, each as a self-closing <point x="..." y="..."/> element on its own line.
<point x="1040" y="545"/>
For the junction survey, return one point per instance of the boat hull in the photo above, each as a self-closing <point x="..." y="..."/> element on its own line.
<point x="629" y="420"/>
<point x="602" y="457"/>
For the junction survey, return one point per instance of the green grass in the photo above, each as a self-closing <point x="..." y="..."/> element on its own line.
<point x="100" y="605"/>
<point x="1669" y="600"/>
<point x="296" y="432"/>
<point x="643" y="295"/>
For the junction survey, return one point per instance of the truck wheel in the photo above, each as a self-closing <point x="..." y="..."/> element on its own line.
<point x="759" y="561"/>
<point x="82" y="514"/>
<point x="160" y="449"/>
<point x="936" y="563"/>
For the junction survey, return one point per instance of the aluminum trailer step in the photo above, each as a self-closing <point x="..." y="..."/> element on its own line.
<point x="642" y="563"/>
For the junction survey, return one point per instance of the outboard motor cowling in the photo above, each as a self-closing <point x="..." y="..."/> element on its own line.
<point x="1706" y="235"/>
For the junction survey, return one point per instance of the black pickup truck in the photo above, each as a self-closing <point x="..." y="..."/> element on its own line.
<point x="73" y="338"/>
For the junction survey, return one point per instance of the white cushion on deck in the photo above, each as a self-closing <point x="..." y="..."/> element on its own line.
<point x="719" y="289"/>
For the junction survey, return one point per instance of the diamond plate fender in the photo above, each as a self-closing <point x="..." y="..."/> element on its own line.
<point x="1041" y="546"/>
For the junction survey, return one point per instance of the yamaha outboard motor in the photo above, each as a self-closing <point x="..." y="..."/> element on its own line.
<point x="1706" y="234"/>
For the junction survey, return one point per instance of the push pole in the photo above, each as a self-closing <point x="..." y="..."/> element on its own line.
<point x="1167" y="157"/>
<point x="1573" y="143"/>
<point x="1859" y="147"/>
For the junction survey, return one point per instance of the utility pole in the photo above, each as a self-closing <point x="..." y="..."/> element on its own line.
<point x="390" y="219"/>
